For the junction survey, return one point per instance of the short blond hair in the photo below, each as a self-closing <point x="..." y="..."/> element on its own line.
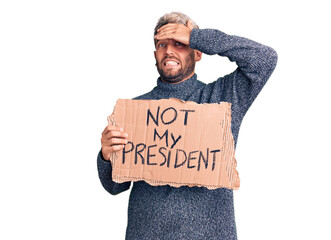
<point x="173" y="17"/>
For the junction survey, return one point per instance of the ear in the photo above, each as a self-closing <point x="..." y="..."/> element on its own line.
<point x="155" y="58"/>
<point x="197" y="55"/>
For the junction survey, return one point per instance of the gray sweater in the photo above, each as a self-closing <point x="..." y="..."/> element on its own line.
<point x="165" y="212"/>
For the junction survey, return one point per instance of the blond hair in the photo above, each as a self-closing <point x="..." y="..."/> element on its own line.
<point x="173" y="17"/>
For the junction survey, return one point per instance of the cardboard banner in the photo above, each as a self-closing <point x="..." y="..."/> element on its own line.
<point x="176" y="143"/>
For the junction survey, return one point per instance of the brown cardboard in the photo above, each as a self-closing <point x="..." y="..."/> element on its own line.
<point x="176" y="143"/>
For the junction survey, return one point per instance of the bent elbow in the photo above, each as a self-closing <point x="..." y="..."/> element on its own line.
<point x="272" y="58"/>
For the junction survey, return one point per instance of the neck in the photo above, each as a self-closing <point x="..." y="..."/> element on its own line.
<point x="169" y="82"/>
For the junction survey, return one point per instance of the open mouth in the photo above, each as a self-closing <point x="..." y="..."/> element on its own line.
<point x="170" y="63"/>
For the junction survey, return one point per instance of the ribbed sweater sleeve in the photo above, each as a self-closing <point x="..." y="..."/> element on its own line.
<point x="255" y="62"/>
<point x="105" y="176"/>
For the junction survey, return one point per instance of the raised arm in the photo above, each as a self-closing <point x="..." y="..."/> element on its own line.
<point x="255" y="61"/>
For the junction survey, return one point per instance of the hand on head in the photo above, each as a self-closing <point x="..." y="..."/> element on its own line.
<point x="177" y="31"/>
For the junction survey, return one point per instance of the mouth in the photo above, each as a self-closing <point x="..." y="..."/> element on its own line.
<point x="171" y="63"/>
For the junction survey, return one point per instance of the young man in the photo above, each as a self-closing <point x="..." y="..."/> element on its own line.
<point x="165" y="212"/>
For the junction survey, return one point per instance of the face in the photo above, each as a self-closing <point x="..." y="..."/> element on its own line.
<point x="175" y="61"/>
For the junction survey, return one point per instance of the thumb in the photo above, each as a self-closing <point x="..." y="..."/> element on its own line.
<point x="189" y="24"/>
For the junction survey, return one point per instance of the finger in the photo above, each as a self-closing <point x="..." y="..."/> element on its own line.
<point x="189" y="24"/>
<point x="117" y="141"/>
<point x="172" y="32"/>
<point x="109" y="139"/>
<point x="113" y="141"/>
<point x="115" y="148"/>
<point x="162" y="36"/>
<point x="175" y="36"/>
<point x="168" y="25"/>
<point x="115" y="134"/>
<point x="173" y="28"/>
<point x="176" y="26"/>
<point x="112" y="128"/>
<point x="167" y="34"/>
<point x="168" y="29"/>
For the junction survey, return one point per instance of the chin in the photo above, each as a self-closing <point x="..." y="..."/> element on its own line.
<point x="171" y="79"/>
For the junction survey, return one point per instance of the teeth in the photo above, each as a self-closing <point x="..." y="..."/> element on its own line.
<point x="172" y="63"/>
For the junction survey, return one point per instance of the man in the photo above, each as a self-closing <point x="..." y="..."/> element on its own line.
<point x="165" y="212"/>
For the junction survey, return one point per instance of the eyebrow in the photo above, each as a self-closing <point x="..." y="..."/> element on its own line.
<point x="157" y="41"/>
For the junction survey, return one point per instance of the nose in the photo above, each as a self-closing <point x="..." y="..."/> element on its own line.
<point x="169" y="49"/>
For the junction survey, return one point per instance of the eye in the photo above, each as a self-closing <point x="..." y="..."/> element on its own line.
<point x="161" y="45"/>
<point x="179" y="44"/>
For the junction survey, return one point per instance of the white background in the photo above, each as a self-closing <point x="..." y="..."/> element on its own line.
<point x="63" y="64"/>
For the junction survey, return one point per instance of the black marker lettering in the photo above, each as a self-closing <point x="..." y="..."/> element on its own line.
<point x="174" y="117"/>
<point x="176" y="159"/>
<point x="165" y="134"/>
<point x="205" y="160"/>
<point x="214" y="157"/>
<point x="191" y="158"/>
<point x="164" y="156"/>
<point x="174" y="140"/>
<point x="137" y="152"/>
<point x="124" y="150"/>
<point x="169" y="155"/>
<point x="150" y="155"/>
<point x="186" y="114"/>
<point x="149" y="114"/>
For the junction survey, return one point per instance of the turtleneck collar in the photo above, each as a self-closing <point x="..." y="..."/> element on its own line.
<point x="187" y="84"/>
